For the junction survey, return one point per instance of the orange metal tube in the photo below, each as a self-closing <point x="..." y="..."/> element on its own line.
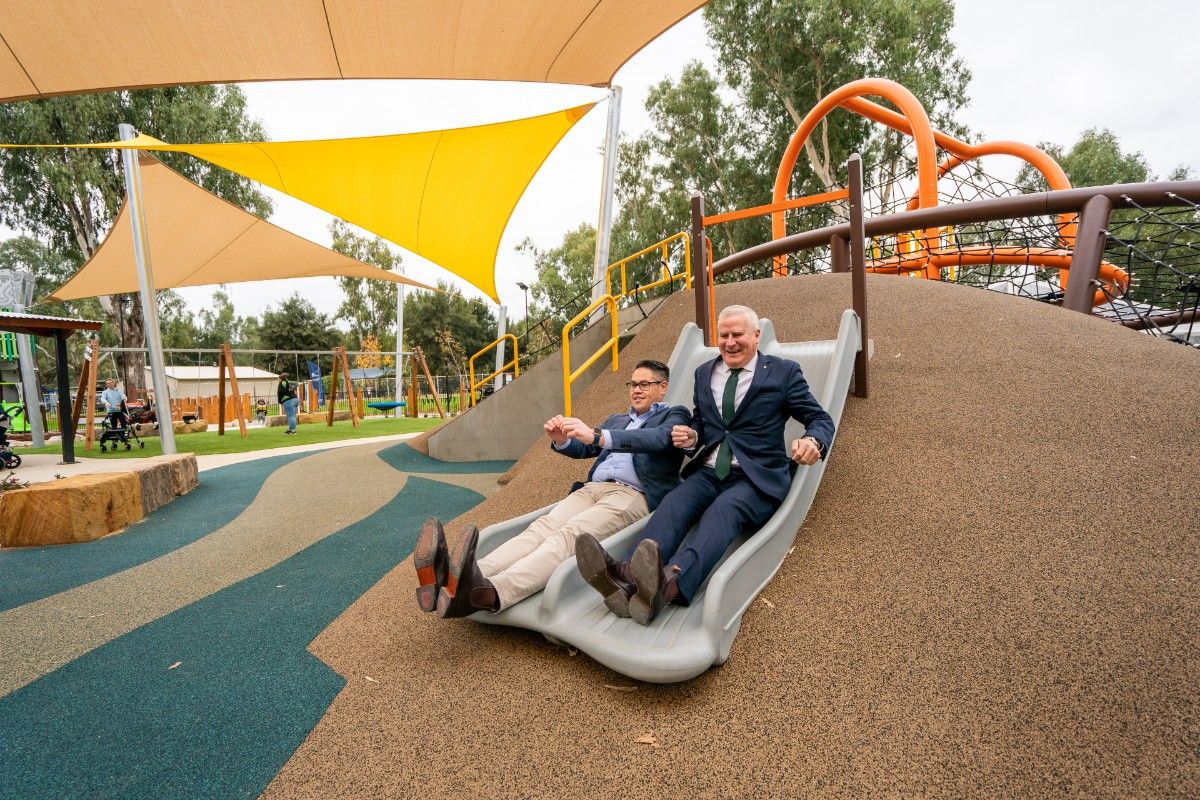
<point x="1050" y="258"/>
<point x="918" y="126"/>
<point x="786" y="205"/>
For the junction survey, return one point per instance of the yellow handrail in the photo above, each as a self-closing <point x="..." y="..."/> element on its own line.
<point x="515" y="364"/>
<point x="665" y="253"/>
<point x="568" y="376"/>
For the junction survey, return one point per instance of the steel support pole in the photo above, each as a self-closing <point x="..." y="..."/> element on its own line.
<point x="700" y="269"/>
<point x="66" y="422"/>
<point x="839" y="254"/>
<point x="30" y="390"/>
<point x="612" y="142"/>
<point x="399" y="333"/>
<point x="145" y="270"/>
<point x="858" y="273"/>
<point x="1089" y="251"/>
<point x="501" y="329"/>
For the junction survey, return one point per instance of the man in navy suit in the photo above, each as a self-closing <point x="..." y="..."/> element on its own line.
<point x="738" y="477"/>
<point x="636" y="465"/>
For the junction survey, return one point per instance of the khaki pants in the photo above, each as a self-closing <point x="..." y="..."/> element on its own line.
<point x="522" y="565"/>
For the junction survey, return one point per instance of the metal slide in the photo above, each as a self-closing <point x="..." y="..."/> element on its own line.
<point x="684" y="642"/>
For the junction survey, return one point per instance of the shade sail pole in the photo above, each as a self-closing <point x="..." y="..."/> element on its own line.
<point x="20" y="298"/>
<point x="399" y="332"/>
<point x="501" y="329"/>
<point x="604" y="223"/>
<point x="145" y="270"/>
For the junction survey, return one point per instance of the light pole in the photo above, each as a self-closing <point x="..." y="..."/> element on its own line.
<point x="525" y="289"/>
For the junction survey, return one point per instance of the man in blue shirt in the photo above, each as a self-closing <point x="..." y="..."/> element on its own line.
<point x="636" y="465"/>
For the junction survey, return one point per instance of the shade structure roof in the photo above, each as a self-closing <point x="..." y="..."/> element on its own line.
<point x="39" y="325"/>
<point x="446" y="195"/>
<point x="64" y="46"/>
<point x="196" y="238"/>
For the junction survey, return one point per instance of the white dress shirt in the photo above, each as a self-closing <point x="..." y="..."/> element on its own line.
<point x="720" y="375"/>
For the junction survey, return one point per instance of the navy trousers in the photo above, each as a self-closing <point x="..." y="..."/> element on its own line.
<point x="725" y="509"/>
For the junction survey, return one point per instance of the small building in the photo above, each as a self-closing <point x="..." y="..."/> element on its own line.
<point x="184" y="382"/>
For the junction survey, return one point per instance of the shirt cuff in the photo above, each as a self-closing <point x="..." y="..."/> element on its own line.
<point x="605" y="439"/>
<point x="561" y="447"/>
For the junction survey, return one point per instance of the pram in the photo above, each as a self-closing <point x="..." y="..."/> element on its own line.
<point x="118" y="431"/>
<point x="7" y="457"/>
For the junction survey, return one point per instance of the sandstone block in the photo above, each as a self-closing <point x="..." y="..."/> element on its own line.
<point x="165" y="478"/>
<point x="76" y="509"/>
<point x="198" y="426"/>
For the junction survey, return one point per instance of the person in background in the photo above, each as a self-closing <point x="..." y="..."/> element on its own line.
<point x="114" y="401"/>
<point x="288" y="401"/>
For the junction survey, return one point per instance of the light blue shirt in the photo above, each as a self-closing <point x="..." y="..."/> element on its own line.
<point x="619" y="466"/>
<point x="112" y="399"/>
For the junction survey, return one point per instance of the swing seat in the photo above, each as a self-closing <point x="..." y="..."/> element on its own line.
<point x="683" y="642"/>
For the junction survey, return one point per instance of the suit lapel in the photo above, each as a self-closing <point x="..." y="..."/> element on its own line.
<point x="706" y="396"/>
<point x="761" y="371"/>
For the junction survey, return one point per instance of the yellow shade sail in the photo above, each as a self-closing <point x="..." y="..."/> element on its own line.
<point x="53" y="47"/>
<point x="445" y="195"/>
<point x="196" y="239"/>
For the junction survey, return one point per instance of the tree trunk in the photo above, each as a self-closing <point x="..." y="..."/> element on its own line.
<point x="133" y="334"/>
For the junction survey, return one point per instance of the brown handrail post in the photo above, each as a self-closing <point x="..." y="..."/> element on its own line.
<point x="1089" y="252"/>
<point x="858" y="273"/>
<point x="221" y="365"/>
<point x="839" y="254"/>
<point x="700" y="268"/>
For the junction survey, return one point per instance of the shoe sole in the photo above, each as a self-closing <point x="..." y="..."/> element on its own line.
<point x="646" y="568"/>
<point x="425" y="560"/>
<point x="594" y="570"/>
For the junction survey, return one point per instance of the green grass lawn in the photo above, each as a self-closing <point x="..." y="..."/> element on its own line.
<point x="209" y="443"/>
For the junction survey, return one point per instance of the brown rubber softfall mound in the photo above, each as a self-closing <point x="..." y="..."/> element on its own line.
<point x="995" y="594"/>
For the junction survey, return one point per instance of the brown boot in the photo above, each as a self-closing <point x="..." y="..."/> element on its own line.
<point x="466" y="590"/>
<point x="656" y="585"/>
<point x="431" y="558"/>
<point x="604" y="573"/>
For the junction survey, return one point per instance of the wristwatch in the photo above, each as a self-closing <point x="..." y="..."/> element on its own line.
<point x="817" y="442"/>
<point x="596" y="432"/>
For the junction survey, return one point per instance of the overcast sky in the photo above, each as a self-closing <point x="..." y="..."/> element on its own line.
<point x="1043" y="70"/>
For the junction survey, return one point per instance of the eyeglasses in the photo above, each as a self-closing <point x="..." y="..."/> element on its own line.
<point x="643" y="385"/>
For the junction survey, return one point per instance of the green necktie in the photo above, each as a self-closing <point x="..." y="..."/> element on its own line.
<point x="724" y="454"/>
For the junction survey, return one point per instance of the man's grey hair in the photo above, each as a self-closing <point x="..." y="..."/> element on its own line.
<point x="745" y="312"/>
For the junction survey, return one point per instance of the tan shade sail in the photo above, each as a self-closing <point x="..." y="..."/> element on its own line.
<point x="55" y="47"/>
<point x="196" y="239"/>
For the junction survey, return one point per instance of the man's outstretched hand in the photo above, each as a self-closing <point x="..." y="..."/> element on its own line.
<point x="554" y="429"/>
<point x="805" y="451"/>
<point x="683" y="437"/>
<point x="578" y="430"/>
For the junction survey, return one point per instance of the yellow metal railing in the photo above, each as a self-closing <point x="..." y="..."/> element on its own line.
<point x="569" y="376"/>
<point x="664" y="250"/>
<point x="515" y="364"/>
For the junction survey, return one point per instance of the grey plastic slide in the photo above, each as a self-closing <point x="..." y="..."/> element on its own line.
<point x="685" y="641"/>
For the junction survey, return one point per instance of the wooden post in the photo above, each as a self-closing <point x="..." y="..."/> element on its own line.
<point x="700" y="272"/>
<point x="221" y="366"/>
<point x="80" y="393"/>
<point x="414" y="396"/>
<point x="93" y="373"/>
<point x="227" y="359"/>
<point x="331" y="399"/>
<point x="345" y="367"/>
<point x="429" y="378"/>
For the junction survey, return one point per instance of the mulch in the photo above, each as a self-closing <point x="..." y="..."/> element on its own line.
<point x="995" y="594"/>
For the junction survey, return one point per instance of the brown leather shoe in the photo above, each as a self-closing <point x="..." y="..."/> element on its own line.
<point x="431" y="559"/>
<point x="466" y="590"/>
<point x="604" y="574"/>
<point x="649" y="580"/>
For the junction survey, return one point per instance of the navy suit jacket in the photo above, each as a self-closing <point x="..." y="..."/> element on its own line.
<point x="655" y="460"/>
<point x="777" y="391"/>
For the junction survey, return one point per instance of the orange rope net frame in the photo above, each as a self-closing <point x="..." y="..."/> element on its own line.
<point x="925" y="257"/>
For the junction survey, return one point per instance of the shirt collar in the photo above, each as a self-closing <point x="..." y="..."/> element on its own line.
<point x="653" y="407"/>
<point x="723" y="369"/>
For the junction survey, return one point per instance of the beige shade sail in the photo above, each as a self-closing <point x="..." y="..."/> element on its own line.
<point x="54" y="47"/>
<point x="196" y="238"/>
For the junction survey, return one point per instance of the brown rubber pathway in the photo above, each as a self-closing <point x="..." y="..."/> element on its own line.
<point x="994" y="595"/>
